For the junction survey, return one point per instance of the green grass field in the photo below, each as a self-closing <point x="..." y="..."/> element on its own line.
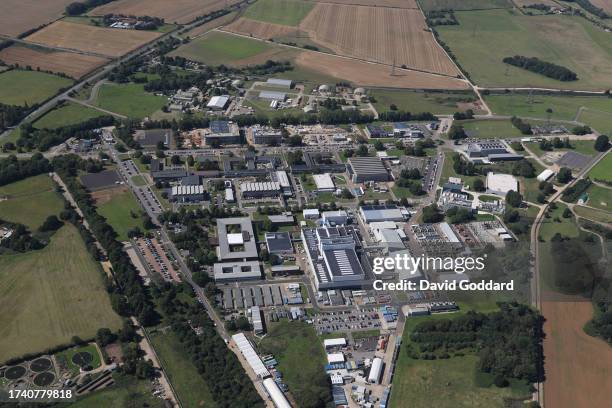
<point x="127" y="392"/>
<point x="441" y="103"/>
<point x="600" y="120"/>
<point x="118" y="211"/>
<point x="449" y="383"/>
<point x="300" y="356"/>
<point x="429" y="5"/>
<point x="19" y="87"/>
<point x="285" y="12"/>
<point x="128" y="99"/>
<point x="600" y="197"/>
<point x="69" y="114"/>
<point x="191" y="388"/>
<point x="483" y="38"/>
<point x="51" y="295"/>
<point x="490" y="129"/>
<point x="565" y="226"/>
<point x="603" y="169"/>
<point x="593" y="214"/>
<point x="30" y="201"/>
<point x="66" y="357"/>
<point x="218" y="48"/>
<point x="580" y="146"/>
<point x="563" y="107"/>
<point x="449" y="171"/>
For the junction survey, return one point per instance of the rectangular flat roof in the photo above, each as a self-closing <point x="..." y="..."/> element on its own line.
<point x="280" y="82"/>
<point x="235" y="271"/>
<point x="277" y="96"/>
<point x="249" y="249"/>
<point x="367" y="165"/>
<point x="323" y="181"/>
<point x="278" y="242"/>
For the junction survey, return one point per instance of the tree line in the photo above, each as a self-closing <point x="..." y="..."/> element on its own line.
<point x="538" y="66"/>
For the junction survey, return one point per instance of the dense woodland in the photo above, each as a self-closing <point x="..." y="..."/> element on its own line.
<point x="538" y="66"/>
<point x="508" y="342"/>
<point x="10" y="115"/>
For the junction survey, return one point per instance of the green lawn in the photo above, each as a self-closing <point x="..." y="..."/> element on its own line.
<point x="49" y="296"/>
<point x="564" y="226"/>
<point x="191" y="388"/>
<point x="68" y="114"/>
<point x="118" y="212"/>
<point x="600" y="197"/>
<point x="449" y="171"/>
<point x="597" y="119"/>
<point x="66" y="357"/>
<point x="300" y="357"/>
<point x="580" y="146"/>
<point x="449" y="383"/>
<point x="285" y="12"/>
<point x="593" y="214"/>
<point x="19" y="87"/>
<point x="483" y="38"/>
<point x="127" y="392"/>
<point x="30" y="201"/>
<point x="434" y="102"/>
<point x="563" y="107"/>
<point x="218" y="48"/>
<point x="603" y="169"/>
<point x="490" y="129"/>
<point x="429" y="5"/>
<point x="129" y="100"/>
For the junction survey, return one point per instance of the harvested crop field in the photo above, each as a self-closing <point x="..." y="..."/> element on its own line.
<point x="573" y="359"/>
<point x="211" y="25"/>
<point x="377" y="34"/>
<point x="259" y="29"/>
<point x="375" y="75"/>
<point x="523" y="3"/>
<point x="72" y="64"/>
<point x="104" y="41"/>
<point x="429" y="5"/>
<point x="19" y="16"/>
<point x="175" y="11"/>
<point x="410" y="4"/>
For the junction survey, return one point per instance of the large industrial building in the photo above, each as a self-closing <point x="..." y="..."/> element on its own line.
<point x="333" y="255"/>
<point x="324" y="182"/>
<point x="280" y="83"/>
<point x="250" y="355"/>
<point x="500" y="184"/>
<point x="218" y="103"/>
<point x="487" y="152"/>
<point x="222" y="132"/>
<point x="279" y="243"/>
<point x="378" y="213"/>
<point x="364" y="169"/>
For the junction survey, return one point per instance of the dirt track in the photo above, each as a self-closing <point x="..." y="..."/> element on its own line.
<point x="105" y="41"/>
<point x="19" y="16"/>
<point x="71" y="64"/>
<point x="173" y="11"/>
<point x="376" y="75"/>
<point x="578" y="366"/>
<point x="378" y="34"/>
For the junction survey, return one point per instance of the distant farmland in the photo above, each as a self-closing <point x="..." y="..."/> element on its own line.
<point x="260" y="29"/>
<point x="86" y="38"/>
<point x="410" y="4"/>
<point x="285" y="12"/>
<point x="72" y="64"/>
<point x="20" y="87"/>
<point x="175" y="11"/>
<point x="19" y="16"/>
<point x="378" y="34"/>
<point x="429" y="5"/>
<point x="603" y="4"/>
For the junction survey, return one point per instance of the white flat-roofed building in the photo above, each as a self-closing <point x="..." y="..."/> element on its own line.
<point x="500" y="184"/>
<point x="249" y="353"/>
<point x="256" y="320"/>
<point x="446" y="229"/>
<point x="282" y="179"/>
<point x="375" y="371"/>
<point x="229" y="195"/>
<point x="311" y="214"/>
<point x="282" y="83"/>
<point x="379" y="213"/>
<point x="324" y="182"/>
<point x="332" y="218"/>
<point x="218" y="102"/>
<point x="329" y="343"/>
<point x="236" y="271"/>
<point x="545" y="175"/>
<point x="335" y="358"/>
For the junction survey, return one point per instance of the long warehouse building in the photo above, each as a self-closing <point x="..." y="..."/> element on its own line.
<point x="278" y="398"/>
<point x="250" y="355"/>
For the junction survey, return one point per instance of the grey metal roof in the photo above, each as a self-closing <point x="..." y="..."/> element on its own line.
<point x="278" y="242"/>
<point x="250" y="246"/>
<point x="237" y="270"/>
<point x="272" y="95"/>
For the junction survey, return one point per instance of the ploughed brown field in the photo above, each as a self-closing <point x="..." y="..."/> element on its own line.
<point x="173" y="11"/>
<point x="379" y="3"/>
<point x="85" y="38"/>
<point x="72" y="64"/>
<point x="551" y="3"/>
<point x="374" y="75"/>
<point x="259" y="29"/>
<point x="378" y="34"/>
<point x="603" y="4"/>
<point x="19" y="16"/>
<point x="578" y="366"/>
